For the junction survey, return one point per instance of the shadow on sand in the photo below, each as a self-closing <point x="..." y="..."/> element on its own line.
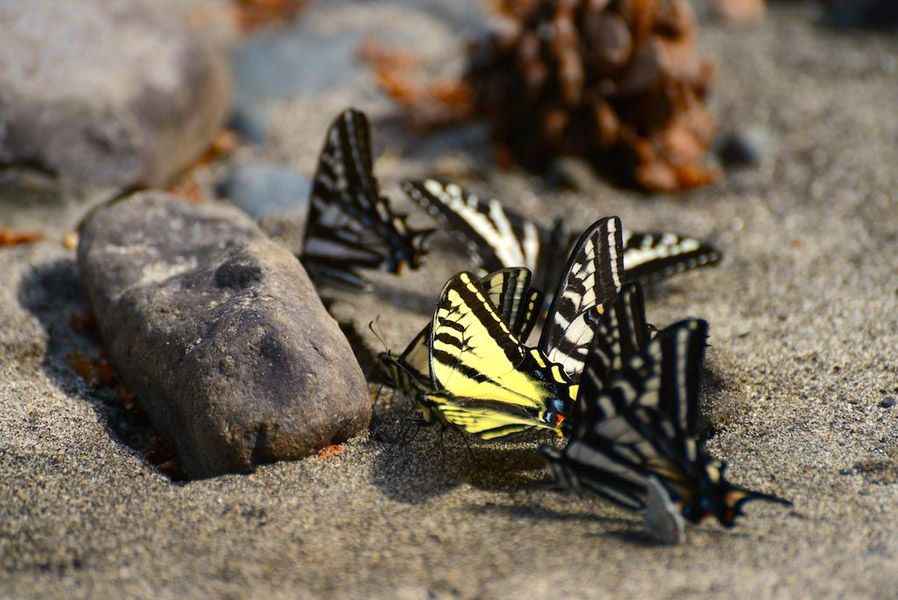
<point x="53" y="293"/>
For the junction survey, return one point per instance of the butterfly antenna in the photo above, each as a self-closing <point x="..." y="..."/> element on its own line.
<point x="377" y="335"/>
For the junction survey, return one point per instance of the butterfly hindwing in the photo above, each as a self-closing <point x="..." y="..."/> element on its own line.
<point x="483" y="418"/>
<point x="654" y="255"/>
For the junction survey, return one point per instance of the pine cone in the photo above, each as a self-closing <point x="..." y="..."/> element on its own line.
<point x="617" y="82"/>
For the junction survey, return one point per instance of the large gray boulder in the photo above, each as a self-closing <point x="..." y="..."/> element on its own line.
<point x="219" y="333"/>
<point x="106" y="93"/>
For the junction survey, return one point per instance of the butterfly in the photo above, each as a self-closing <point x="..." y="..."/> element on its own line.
<point x="496" y="237"/>
<point x="484" y="380"/>
<point x="350" y="225"/>
<point x="591" y="279"/>
<point x="638" y="423"/>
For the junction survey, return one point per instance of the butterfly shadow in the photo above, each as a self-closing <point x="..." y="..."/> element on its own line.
<point x="431" y="462"/>
<point x="74" y="361"/>
<point x="537" y="512"/>
<point x="625" y="529"/>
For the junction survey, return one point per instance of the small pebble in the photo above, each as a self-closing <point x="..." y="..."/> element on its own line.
<point x="888" y="402"/>
<point x="264" y="189"/>
<point x="746" y="148"/>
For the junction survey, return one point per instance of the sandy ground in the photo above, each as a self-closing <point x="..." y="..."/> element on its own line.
<point x="804" y="333"/>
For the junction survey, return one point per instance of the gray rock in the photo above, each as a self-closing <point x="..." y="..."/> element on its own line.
<point x="106" y="93"/>
<point x="887" y="402"/>
<point x="219" y="333"/>
<point x="263" y="189"/>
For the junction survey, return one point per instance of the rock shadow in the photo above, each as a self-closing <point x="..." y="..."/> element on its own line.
<point x="75" y="362"/>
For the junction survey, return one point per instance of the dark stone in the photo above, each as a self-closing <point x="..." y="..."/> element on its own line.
<point x="219" y="333"/>
<point x="888" y="402"/>
<point x="106" y="93"/>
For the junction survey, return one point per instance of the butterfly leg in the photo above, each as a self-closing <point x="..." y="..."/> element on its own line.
<point x="470" y="452"/>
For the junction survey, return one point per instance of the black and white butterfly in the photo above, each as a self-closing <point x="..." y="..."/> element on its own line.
<point x="636" y="426"/>
<point x="350" y="225"/>
<point x="497" y="237"/>
<point x="590" y="281"/>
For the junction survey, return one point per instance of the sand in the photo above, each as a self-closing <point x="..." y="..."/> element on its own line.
<point x="804" y="334"/>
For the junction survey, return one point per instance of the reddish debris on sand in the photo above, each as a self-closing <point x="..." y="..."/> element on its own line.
<point x="329" y="451"/>
<point x="251" y="14"/>
<point x="188" y="190"/>
<point x="83" y="366"/>
<point x="618" y="83"/>
<point x="93" y="370"/>
<point x="429" y="105"/>
<point x="221" y="145"/>
<point x="8" y="237"/>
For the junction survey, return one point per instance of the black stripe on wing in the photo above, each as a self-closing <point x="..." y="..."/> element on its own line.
<point x="592" y="278"/>
<point x="653" y="255"/>
<point x="346" y="205"/>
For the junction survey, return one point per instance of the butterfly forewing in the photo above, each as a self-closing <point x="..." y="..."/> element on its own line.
<point x="349" y="221"/>
<point x="518" y="304"/>
<point x="621" y="430"/>
<point x="591" y="280"/>
<point x="494" y="236"/>
<point x="473" y="352"/>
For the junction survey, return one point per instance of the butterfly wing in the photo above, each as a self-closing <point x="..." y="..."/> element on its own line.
<point x="518" y="304"/>
<point x="591" y="279"/>
<point x="654" y="255"/>
<point x="494" y="236"/>
<point x="350" y="224"/>
<point x="621" y="333"/>
<point x="508" y="289"/>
